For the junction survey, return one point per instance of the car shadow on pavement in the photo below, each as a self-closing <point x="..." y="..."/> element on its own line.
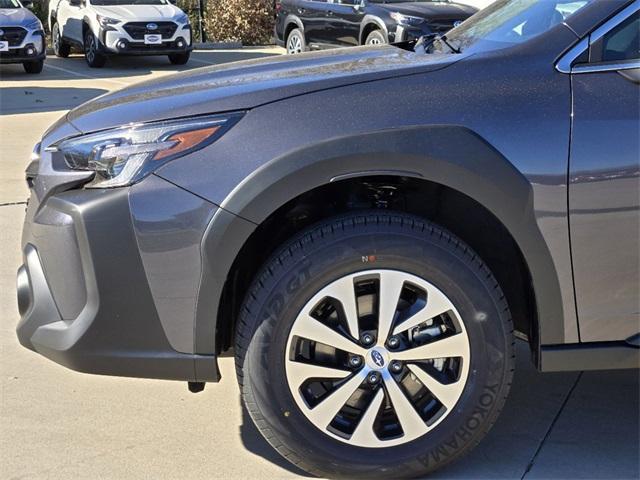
<point x="31" y="99"/>
<point x="253" y="441"/>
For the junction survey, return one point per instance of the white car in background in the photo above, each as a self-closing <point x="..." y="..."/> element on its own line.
<point x="119" y="27"/>
<point x="21" y="36"/>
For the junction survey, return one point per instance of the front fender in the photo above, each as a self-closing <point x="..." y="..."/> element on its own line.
<point x="450" y="155"/>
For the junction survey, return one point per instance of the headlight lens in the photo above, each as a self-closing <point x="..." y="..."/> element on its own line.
<point x="123" y="156"/>
<point x="406" y="19"/>
<point x="182" y="18"/>
<point x="106" y="21"/>
<point x="35" y="25"/>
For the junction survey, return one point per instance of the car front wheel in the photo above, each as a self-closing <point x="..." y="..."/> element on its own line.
<point x="374" y="345"/>
<point x="179" y="58"/>
<point x="60" y="47"/>
<point x="33" y="67"/>
<point x="91" y="53"/>
<point x="296" y="42"/>
<point x="376" y="38"/>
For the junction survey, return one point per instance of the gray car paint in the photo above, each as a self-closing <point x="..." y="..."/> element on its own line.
<point x="502" y="138"/>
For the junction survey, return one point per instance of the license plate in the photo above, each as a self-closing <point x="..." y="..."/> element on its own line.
<point x="153" y="39"/>
<point x="4" y="46"/>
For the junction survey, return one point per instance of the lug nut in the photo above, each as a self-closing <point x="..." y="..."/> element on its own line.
<point x="373" y="378"/>
<point x="367" y="339"/>
<point x="395" y="366"/>
<point x="393" y="342"/>
<point x="355" y="361"/>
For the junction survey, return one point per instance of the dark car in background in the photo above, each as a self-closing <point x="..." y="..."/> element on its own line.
<point x="367" y="230"/>
<point x="317" y="24"/>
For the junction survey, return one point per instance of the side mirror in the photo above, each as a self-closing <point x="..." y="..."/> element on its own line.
<point x="28" y="4"/>
<point x="173" y="2"/>
<point x="75" y="3"/>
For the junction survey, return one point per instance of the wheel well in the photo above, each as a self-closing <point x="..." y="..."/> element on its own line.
<point x="449" y="208"/>
<point x="85" y="27"/>
<point x="291" y="26"/>
<point x="370" y="27"/>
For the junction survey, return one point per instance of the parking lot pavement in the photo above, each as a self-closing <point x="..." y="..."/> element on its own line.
<point x="55" y="423"/>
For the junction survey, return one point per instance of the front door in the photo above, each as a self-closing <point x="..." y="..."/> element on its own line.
<point x="604" y="183"/>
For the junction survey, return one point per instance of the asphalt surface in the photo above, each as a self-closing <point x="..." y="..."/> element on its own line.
<point x="55" y="423"/>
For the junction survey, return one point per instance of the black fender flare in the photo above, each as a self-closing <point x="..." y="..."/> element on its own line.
<point x="450" y="155"/>
<point x="372" y="19"/>
<point x="292" y="19"/>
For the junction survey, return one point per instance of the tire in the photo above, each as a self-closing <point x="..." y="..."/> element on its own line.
<point x="375" y="38"/>
<point x="60" y="47"/>
<point x="296" y="42"/>
<point x="94" y="58"/>
<point x="33" y="67"/>
<point x="179" y="58"/>
<point x="273" y="325"/>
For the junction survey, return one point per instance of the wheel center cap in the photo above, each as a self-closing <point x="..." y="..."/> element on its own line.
<point x="377" y="358"/>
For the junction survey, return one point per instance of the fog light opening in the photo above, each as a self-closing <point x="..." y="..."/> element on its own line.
<point x="31" y="51"/>
<point x="122" y="45"/>
<point x="180" y="44"/>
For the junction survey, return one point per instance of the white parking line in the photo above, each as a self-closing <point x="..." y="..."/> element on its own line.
<point x="84" y="75"/>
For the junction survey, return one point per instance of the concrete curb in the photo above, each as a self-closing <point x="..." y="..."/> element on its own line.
<point x="217" y="45"/>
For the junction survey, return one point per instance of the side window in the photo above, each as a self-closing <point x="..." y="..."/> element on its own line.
<point x="621" y="43"/>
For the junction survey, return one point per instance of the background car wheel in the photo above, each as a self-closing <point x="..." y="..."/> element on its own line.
<point x="33" y="67"/>
<point x="374" y="345"/>
<point x="179" y="58"/>
<point x="91" y="54"/>
<point x="60" y="47"/>
<point x="296" y="42"/>
<point x="376" y="38"/>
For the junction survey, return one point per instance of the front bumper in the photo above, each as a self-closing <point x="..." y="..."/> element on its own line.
<point x="85" y="294"/>
<point x="116" y="41"/>
<point x="34" y="41"/>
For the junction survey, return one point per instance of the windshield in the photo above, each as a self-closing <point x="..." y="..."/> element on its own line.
<point x="507" y="23"/>
<point x="9" y="4"/>
<point x="128" y="2"/>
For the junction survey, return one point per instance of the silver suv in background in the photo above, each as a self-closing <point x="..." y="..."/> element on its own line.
<point x="120" y="27"/>
<point x="21" y="36"/>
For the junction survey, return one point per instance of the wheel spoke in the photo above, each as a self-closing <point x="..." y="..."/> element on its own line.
<point x="391" y="284"/>
<point x="446" y="394"/>
<point x="344" y="291"/>
<point x="364" y="431"/>
<point x="325" y="411"/>
<point x="411" y="423"/>
<point x="298" y="372"/>
<point x="311" y="329"/>
<point x="437" y="304"/>
<point x="454" y="346"/>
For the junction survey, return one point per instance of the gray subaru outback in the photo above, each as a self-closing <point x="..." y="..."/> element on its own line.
<point x="22" y="37"/>
<point x="367" y="230"/>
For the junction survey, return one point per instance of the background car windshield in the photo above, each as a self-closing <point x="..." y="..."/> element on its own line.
<point x="128" y="2"/>
<point x="9" y="4"/>
<point x="509" y="22"/>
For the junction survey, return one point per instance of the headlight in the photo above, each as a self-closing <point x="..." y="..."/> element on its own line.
<point x="35" y="25"/>
<point x="182" y="18"/>
<point x="106" y="21"/>
<point x="123" y="156"/>
<point x="406" y="19"/>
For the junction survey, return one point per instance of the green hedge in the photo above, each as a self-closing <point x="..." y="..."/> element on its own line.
<point x="246" y="21"/>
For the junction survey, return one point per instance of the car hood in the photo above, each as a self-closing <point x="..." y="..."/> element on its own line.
<point x="248" y="84"/>
<point x="139" y="13"/>
<point x="432" y="10"/>
<point x="16" y="17"/>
